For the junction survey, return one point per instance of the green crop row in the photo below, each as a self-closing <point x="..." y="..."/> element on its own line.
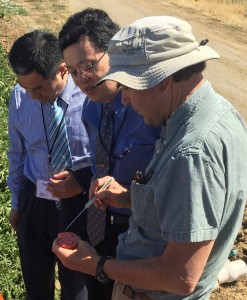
<point x="11" y="283"/>
<point x="8" y="8"/>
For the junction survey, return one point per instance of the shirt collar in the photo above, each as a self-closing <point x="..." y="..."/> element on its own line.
<point x="68" y="91"/>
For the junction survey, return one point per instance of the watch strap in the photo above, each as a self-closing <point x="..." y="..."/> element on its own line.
<point x="100" y="275"/>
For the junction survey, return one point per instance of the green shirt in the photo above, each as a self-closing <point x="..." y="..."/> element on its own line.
<point x="195" y="189"/>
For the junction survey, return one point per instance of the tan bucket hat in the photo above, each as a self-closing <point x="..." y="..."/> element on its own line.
<point x="149" y="50"/>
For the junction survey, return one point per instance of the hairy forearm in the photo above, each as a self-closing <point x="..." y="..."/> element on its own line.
<point x="150" y="274"/>
<point x="177" y="270"/>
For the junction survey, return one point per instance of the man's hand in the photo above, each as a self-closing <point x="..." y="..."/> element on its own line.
<point x="83" y="259"/>
<point x="64" y="185"/>
<point x="13" y="218"/>
<point x="115" y="195"/>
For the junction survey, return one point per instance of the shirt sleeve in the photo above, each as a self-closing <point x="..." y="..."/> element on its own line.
<point x="84" y="177"/>
<point x="16" y="152"/>
<point x="194" y="190"/>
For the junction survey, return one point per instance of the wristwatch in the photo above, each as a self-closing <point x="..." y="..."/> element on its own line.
<point x="100" y="275"/>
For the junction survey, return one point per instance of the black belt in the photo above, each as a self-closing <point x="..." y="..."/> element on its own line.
<point x="113" y="218"/>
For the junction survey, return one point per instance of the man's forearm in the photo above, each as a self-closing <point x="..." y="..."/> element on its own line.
<point x="148" y="274"/>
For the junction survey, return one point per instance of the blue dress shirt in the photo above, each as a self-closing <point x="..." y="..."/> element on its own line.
<point x="28" y="152"/>
<point x="133" y="141"/>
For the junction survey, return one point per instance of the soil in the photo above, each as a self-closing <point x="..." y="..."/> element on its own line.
<point x="228" y="75"/>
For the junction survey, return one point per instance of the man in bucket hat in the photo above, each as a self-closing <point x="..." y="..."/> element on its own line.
<point x="188" y="205"/>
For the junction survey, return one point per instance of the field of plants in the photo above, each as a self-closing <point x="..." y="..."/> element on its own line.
<point x="11" y="283"/>
<point x="232" y="13"/>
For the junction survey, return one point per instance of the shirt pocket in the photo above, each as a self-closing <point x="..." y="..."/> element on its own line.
<point x="78" y="139"/>
<point x="142" y="206"/>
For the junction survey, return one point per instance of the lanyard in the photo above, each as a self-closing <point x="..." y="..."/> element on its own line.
<point x="46" y="135"/>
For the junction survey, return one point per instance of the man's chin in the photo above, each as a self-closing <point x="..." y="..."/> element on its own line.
<point x="149" y="121"/>
<point x="93" y="95"/>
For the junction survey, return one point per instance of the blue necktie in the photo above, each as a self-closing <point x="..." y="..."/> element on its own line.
<point x="60" y="155"/>
<point x="96" y="217"/>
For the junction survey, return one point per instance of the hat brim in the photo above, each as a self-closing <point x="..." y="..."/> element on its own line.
<point x="147" y="76"/>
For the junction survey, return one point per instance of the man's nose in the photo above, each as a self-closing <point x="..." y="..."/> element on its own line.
<point x="80" y="79"/>
<point x="125" y="99"/>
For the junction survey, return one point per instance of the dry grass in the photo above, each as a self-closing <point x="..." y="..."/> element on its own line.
<point x="230" y="12"/>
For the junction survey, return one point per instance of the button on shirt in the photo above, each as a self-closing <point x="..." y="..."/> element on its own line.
<point x="28" y="152"/>
<point x="132" y="145"/>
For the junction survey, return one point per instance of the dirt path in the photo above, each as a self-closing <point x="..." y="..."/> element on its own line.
<point x="228" y="75"/>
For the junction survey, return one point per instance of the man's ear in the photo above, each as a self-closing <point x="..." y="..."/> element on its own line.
<point x="62" y="69"/>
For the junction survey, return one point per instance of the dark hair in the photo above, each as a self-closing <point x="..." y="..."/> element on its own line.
<point x="94" y="23"/>
<point x="187" y="72"/>
<point x="37" y="51"/>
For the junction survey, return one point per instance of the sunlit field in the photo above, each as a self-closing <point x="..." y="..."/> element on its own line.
<point x="229" y="12"/>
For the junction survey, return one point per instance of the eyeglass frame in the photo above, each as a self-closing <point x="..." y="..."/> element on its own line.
<point x="91" y="67"/>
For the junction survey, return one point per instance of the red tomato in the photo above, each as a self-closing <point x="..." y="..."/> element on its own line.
<point x="67" y="240"/>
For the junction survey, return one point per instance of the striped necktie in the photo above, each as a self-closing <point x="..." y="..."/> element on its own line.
<point x="59" y="149"/>
<point x="96" y="217"/>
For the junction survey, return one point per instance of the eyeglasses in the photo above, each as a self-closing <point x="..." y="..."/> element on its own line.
<point x="87" y="70"/>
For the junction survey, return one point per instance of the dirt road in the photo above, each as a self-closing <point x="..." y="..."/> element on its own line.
<point x="228" y="75"/>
